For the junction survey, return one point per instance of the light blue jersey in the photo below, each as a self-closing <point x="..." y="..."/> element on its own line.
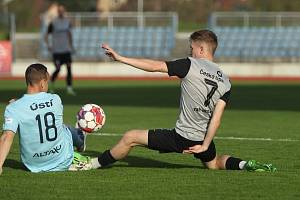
<point x="45" y="143"/>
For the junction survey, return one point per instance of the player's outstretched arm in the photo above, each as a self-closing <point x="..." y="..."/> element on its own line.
<point x="5" y="144"/>
<point x="143" y="64"/>
<point x="212" y="129"/>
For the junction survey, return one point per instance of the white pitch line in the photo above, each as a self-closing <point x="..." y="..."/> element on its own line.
<point x="219" y="138"/>
<point x="258" y="139"/>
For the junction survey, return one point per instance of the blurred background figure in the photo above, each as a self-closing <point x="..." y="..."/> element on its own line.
<point x="61" y="47"/>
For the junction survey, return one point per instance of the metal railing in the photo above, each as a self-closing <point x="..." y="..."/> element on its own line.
<point x="247" y="19"/>
<point x="111" y="19"/>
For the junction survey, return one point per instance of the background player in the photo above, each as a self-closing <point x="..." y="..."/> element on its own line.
<point x="61" y="47"/>
<point x="205" y="91"/>
<point x="46" y="144"/>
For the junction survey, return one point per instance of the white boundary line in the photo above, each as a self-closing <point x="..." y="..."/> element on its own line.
<point x="218" y="138"/>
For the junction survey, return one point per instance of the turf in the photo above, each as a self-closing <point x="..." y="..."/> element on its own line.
<point x="256" y="110"/>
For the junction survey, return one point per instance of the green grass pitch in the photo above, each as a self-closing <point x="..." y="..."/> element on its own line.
<point x="256" y="110"/>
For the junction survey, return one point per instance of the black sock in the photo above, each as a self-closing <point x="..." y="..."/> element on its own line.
<point x="69" y="77"/>
<point x="106" y="158"/>
<point x="233" y="163"/>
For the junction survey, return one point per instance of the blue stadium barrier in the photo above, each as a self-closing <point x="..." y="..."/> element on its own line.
<point x="154" y="42"/>
<point x="246" y="43"/>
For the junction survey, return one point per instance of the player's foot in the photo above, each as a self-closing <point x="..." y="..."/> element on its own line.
<point x="255" y="166"/>
<point x="70" y="91"/>
<point x="81" y="163"/>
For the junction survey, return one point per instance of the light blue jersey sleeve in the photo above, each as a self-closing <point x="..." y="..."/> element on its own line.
<point x="10" y="121"/>
<point x="45" y="142"/>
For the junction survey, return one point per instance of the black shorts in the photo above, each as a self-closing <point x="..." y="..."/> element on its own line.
<point x="62" y="58"/>
<point x="167" y="141"/>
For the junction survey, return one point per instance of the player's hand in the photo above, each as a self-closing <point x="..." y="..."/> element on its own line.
<point x="110" y="52"/>
<point x="196" y="149"/>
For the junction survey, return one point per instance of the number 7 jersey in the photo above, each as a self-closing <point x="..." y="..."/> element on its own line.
<point x="45" y="142"/>
<point x="202" y="85"/>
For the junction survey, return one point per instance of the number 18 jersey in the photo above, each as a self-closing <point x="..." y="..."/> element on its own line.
<point x="45" y="143"/>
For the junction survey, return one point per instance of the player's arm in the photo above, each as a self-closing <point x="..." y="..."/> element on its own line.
<point x="5" y="144"/>
<point x="143" y="64"/>
<point x="70" y="37"/>
<point x="46" y="38"/>
<point x="212" y="128"/>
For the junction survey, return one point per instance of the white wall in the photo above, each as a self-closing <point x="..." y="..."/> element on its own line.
<point x="111" y="69"/>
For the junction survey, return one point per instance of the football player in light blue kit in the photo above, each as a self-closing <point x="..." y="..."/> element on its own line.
<point x="46" y="144"/>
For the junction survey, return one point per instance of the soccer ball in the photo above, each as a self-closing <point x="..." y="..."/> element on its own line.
<point x="90" y="118"/>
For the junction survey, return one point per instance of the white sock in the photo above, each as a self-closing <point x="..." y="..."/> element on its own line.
<point x="242" y="164"/>
<point x="95" y="163"/>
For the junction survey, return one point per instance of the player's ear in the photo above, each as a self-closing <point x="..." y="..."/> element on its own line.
<point x="43" y="84"/>
<point x="199" y="50"/>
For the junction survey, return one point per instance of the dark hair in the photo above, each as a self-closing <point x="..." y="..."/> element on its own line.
<point x="35" y="73"/>
<point x="206" y="36"/>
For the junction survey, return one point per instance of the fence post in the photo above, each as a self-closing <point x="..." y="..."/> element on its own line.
<point x="140" y="16"/>
<point x="140" y="19"/>
<point x="110" y="21"/>
<point x="246" y="19"/>
<point x="78" y="20"/>
<point x="278" y="20"/>
<point x="12" y="22"/>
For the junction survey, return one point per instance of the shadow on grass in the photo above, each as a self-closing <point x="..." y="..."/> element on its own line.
<point x="243" y="97"/>
<point x="143" y="162"/>
<point x="132" y="161"/>
<point x="14" y="164"/>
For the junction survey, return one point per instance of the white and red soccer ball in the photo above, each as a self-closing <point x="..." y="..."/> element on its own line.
<point x="90" y="118"/>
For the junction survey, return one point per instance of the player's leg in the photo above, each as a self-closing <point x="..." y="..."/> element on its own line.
<point x="163" y="140"/>
<point x="57" y="64"/>
<point x="130" y="139"/>
<point x="69" y="78"/>
<point x="225" y="162"/>
<point x="232" y="163"/>
<point x="122" y="148"/>
<point x="79" y="138"/>
<point x="213" y="161"/>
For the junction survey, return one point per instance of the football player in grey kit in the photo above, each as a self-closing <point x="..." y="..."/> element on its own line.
<point x="61" y="47"/>
<point x="205" y="91"/>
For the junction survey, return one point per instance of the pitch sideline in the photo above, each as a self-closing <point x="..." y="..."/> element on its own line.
<point x="219" y="138"/>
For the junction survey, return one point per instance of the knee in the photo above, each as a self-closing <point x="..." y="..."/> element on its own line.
<point x="213" y="165"/>
<point x="218" y="163"/>
<point x="222" y="161"/>
<point x="129" y="137"/>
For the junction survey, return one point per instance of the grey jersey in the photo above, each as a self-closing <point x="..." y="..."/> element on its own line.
<point x="202" y="85"/>
<point x="60" y="28"/>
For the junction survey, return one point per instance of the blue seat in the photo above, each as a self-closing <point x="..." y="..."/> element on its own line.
<point x="258" y="42"/>
<point x="128" y="40"/>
